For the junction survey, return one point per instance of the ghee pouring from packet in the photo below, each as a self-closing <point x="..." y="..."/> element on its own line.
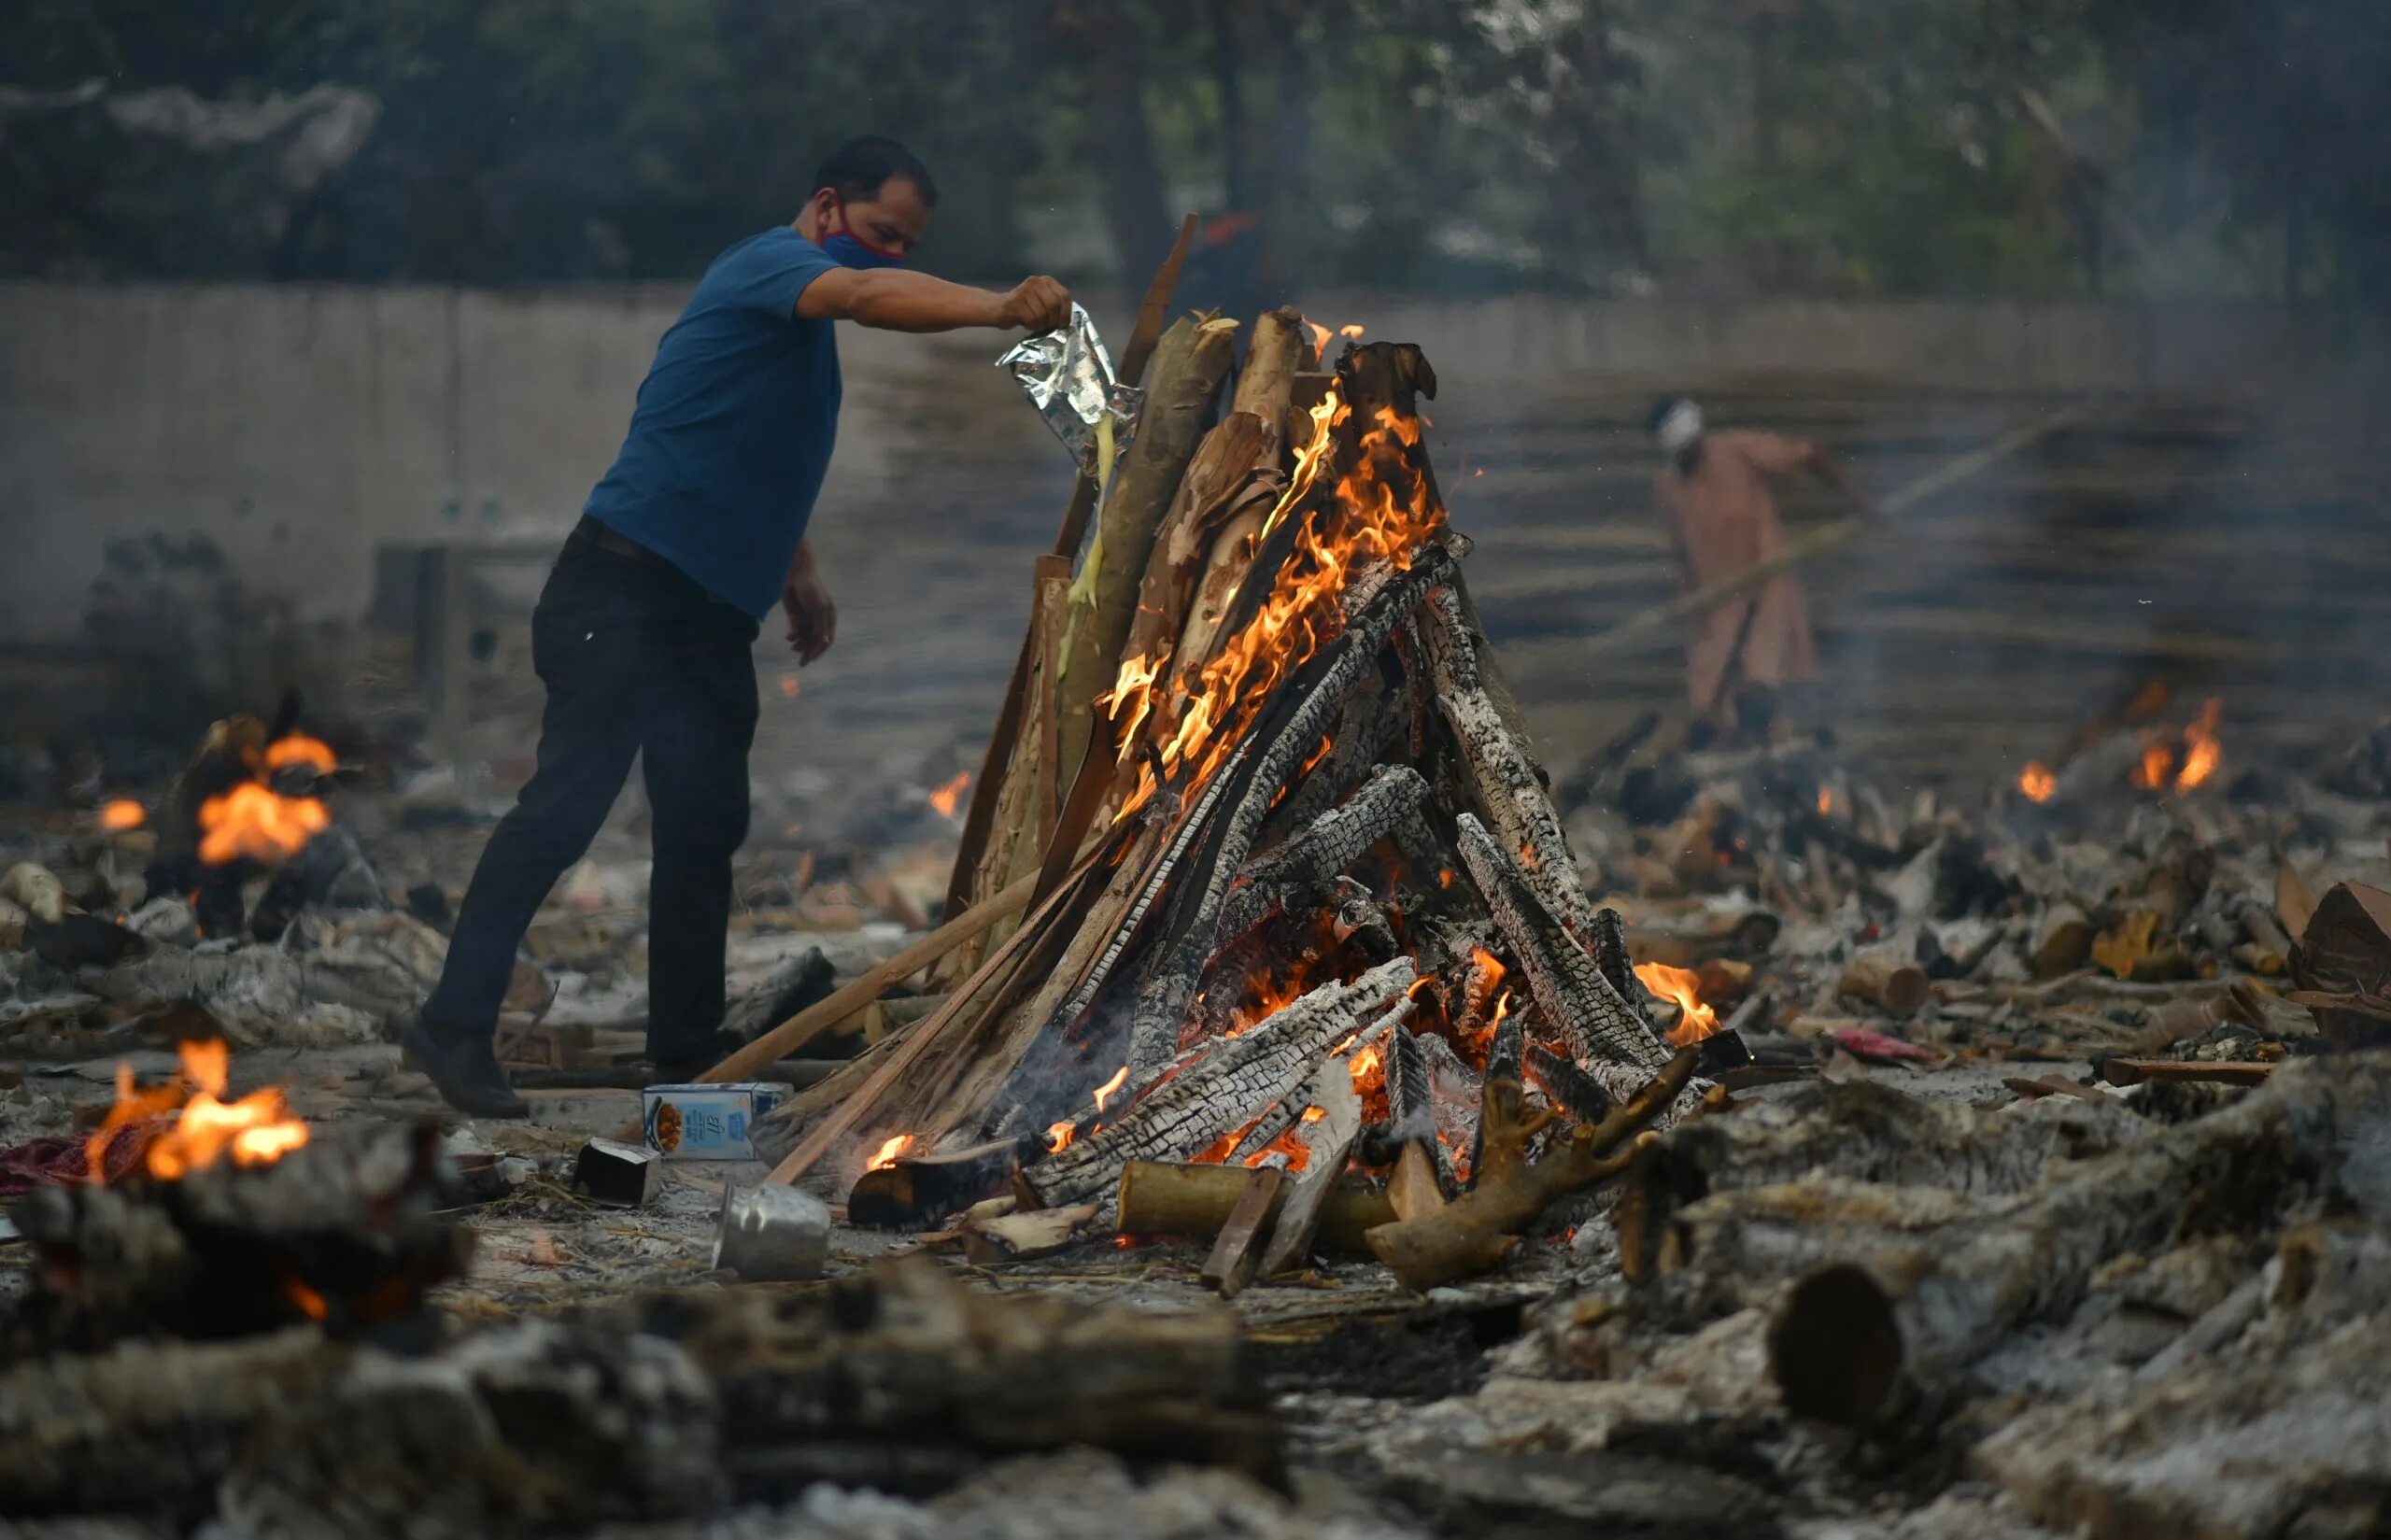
<point x="1069" y="378"/>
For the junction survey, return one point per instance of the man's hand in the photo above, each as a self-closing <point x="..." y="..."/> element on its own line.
<point x="1037" y="305"/>
<point x="813" y="619"/>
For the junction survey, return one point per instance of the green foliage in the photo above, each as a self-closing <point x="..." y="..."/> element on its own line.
<point x="2031" y="146"/>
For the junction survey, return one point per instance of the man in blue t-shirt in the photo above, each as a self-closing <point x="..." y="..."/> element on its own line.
<point x="643" y="633"/>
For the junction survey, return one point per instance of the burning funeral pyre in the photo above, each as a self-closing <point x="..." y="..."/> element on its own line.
<point x="1306" y="909"/>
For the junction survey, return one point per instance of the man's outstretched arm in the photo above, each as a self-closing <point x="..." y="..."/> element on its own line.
<point x="892" y="300"/>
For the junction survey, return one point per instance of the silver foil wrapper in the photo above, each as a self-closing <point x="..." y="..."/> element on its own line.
<point x="1068" y="378"/>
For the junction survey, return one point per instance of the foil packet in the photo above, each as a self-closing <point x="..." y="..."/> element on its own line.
<point x="1069" y="378"/>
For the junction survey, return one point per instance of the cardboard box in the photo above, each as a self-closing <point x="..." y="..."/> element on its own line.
<point x="706" y="1122"/>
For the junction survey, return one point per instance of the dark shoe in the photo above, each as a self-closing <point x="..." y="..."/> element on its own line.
<point x="683" y="1062"/>
<point x="464" y="1072"/>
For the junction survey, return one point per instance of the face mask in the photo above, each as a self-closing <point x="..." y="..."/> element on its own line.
<point x="848" y="249"/>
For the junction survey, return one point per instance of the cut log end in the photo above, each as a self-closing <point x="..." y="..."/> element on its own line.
<point x="1835" y="1350"/>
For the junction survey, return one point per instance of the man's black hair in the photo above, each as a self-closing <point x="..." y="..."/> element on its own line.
<point x="858" y="169"/>
<point x="1661" y="410"/>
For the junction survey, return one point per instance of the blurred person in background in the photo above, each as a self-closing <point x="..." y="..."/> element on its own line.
<point x="644" y="634"/>
<point x="1715" y="501"/>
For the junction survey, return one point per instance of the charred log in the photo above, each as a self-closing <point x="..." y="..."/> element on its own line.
<point x="1562" y="976"/>
<point x="1222" y="1092"/>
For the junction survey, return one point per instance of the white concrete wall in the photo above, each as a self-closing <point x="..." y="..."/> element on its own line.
<point x="300" y="427"/>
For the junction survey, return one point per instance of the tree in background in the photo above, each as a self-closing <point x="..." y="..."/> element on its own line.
<point x="1688" y="146"/>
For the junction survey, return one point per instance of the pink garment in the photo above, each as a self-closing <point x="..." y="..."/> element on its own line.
<point x="1724" y="519"/>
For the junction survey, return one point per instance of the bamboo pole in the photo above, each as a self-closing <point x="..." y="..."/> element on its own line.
<point x="823" y="1014"/>
<point x="1621" y="637"/>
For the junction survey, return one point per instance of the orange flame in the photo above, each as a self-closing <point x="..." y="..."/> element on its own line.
<point x="297" y="748"/>
<point x="2156" y="768"/>
<point x="1351" y="328"/>
<point x="1059" y="1136"/>
<point x="1320" y="335"/>
<point x="257" y="1129"/>
<point x="1363" y="522"/>
<point x="255" y="821"/>
<point x="2037" y="782"/>
<point x="947" y="798"/>
<point x="1826" y="803"/>
<point x="2203" y="750"/>
<point x="1105" y="1092"/>
<point x="310" y="1303"/>
<point x="1697" y="1020"/>
<point x="122" y="814"/>
<point x="886" y="1156"/>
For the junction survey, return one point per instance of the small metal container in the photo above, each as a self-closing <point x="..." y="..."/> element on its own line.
<point x="772" y="1233"/>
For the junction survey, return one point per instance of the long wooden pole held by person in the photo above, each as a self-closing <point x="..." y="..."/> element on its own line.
<point x="1622" y="637"/>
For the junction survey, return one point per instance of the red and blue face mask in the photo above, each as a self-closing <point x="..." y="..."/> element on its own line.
<point x="849" y="250"/>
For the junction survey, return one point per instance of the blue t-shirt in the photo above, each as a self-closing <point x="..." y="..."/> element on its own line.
<point x="733" y="427"/>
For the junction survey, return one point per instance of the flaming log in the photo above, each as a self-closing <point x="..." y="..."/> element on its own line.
<point x="1478" y="1231"/>
<point x="1279" y="348"/>
<point x="343" y="1230"/>
<point x="1563" y="975"/>
<point x="1221" y="1092"/>
<point x="1303" y="711"/>
<point x="1190" y="362"/>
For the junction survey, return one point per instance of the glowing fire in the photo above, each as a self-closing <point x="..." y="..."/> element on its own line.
<point x="122" y="814"/>
<point x="1105" y="1092"/>
<point x="949" y="797"/>
<point x="2162" y="767"/>
<point x="1349" y="330"/>
<point x="257" y="1129"/>
<point x="1826" y="803"/>
<point x="2037" y="782"/>
<point x="256" y="821"/>
<point x="2203" y="750"/>
<point x="1363" y="522"/>
<point x="1059" y="1136"/>
<point x="1320" y="335"/>
<point x="886" y="1156"/>
<point x="1697" y="1020"/>
<point x="2157" y="764"/>
<point x="299" y="749"/>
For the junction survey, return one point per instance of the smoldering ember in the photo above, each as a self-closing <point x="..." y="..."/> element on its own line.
<point x="1433" y="988"/>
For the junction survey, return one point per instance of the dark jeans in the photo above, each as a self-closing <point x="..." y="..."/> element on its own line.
<point x="637" y="659"/>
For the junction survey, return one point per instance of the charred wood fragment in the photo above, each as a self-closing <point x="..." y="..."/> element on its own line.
<point x="1477" y="1232"/>
<point x="1562" y="975"/>
<point x="1221" y="1092"/>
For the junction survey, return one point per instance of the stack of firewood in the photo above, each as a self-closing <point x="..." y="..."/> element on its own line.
<point x="1284" y="843"/>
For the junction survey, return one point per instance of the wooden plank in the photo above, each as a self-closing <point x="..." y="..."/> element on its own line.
<point x="1237" y="1252"/>
<point x="821" y="1016"/>
<point x="916" y="1042"/>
